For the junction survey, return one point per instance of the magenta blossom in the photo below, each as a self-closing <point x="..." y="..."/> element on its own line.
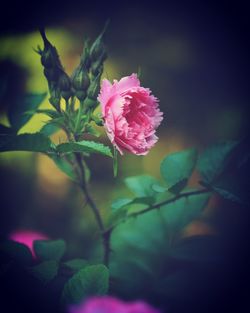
<point x="131" y="115"/>
<point x="112" y="305"/>
<point x="27" y="237"/>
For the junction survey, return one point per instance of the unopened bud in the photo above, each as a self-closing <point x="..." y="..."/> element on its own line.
<point x="52" y="74"/>
<point x="85" y="57"/>
<point x="55" y="102"/>
<point x="64" y="82"/>
<point x="80" y="80"/>
<point x="47" y="58"/>
<point x="96" y="69"/>
<point x="66" y="94"/>
<point x="98" y="48"/>
<point x="81" y="95"/>
<point x="50" y="60"/>
<point x="94" y="87"/>
<point x="90" y="103"/>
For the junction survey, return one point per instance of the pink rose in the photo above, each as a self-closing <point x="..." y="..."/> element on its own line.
<point x="131" y="115"/>
<point x="112" y="305"/>
<point x="27" y="237"/>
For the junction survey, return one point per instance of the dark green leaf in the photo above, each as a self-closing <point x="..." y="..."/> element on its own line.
<point x="141" y="186"/>
<point x="181" y="212"/>
<point x="16" y="251"/>
<point x="200" y="260"/>
<point x="49" y="129"/>
<point x="45" y="271"/>
<point x="233" y="183"/>
<point x="120" y="203"/>
<point x="117" y="216"/>
<point x="233" y="186"/>
<point x="138" y="244"/>
<point x="47" y="250"/>
<point x="197" y="249"/>
<point x="51" y="113"/>
<point x="148" y="238"/>
<point x="25" y="142"/>
<point x="158" y="188"/>
<point x="64" y="166"/>
<point x="17" y="111"/>
<point x="122" y="207"/>
<point x="93" y="280"/>
<point x="177" y="167"/>
<point x="76" y="264"/>
<point x="214" y="159"/>
<point x="84" y="146"/>
<point x="92" y="131"/>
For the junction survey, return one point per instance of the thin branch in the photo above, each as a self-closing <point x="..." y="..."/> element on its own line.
<point x="105" y="234"/>
<point x="158" y="205"/>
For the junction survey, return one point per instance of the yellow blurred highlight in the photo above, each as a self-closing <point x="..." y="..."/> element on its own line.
<point x="50" y="179"/>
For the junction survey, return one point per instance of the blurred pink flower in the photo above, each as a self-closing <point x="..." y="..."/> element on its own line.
<point x="27" y="237"/>
<point x="112" y="305"/>
<point x="131" y="115"/>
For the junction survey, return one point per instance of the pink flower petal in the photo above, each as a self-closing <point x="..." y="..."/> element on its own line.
<point x="131" y="115"/>
<point x="109" y="304"/>
<point x="27" y="237"/>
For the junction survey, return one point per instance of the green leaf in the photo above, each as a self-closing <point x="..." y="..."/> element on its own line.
<point x="16" y="251"/>
<point x="84" y="146"/>
<point x="120" y="203"/>
<point x="50" y="113"/>
<point x="76" y="264"/>
<point x="158" y="188"/>
<point x="141" y="186"/>
<point x="122" y="207"/>
<point x="148" y="238"/>
<point x="47" y="250"/>
<point x="49" y="129"/>
<point x="138" y="244"/>
<point x="64" y="166"/>
<point x="93" y="280"/>
<point x="180" y="213"/>
<point x="25" y="142"/>
<point x="214" y="159"/>
<point x="17" y="111"/>
<point x="177" y="167"/>
<point x="92" y="131"/>
<point x="45" y="271"/>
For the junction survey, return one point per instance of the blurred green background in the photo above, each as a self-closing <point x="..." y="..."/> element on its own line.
<point x="194" y="58"/>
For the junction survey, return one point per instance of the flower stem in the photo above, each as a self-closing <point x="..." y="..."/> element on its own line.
<point x="104" y="233"/>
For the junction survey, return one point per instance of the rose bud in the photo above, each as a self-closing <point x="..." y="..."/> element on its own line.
<point x="65" y="86"/>
<point x="80" y="80"/>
